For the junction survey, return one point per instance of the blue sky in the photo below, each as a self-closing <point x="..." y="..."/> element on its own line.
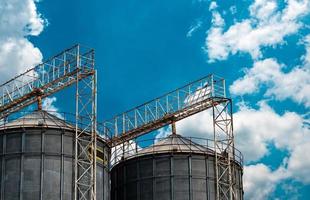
<point x="146" y="48"/>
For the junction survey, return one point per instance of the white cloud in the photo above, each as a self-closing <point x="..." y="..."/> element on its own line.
<point x="306" y="57"/>
<point x="194" y="28"/>
<point x="213" y="5"/>
<point x="217" y="19"/>
<point x="266" y="26"/>
<point x="298" y="164"/>
<point x="295" y="9"/>
<point x="48" y="105"/>
<point x="256" y="128"/>
<point x="18" y="20"/>
<point x="294" y="84"/>
<point x="216" y="46"/>
<point x="260" y="181"/>
<point x="262" y="9"/>
<point x="17" y="55"/>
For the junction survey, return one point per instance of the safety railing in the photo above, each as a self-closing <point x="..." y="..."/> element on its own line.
<point x="48" y="77"/>
<point x="178" y="104"/>
<point x="134" y="148"/>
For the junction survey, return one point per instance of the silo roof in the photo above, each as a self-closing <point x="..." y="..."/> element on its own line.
<point x="175" y="143"/>
<point x="37" y="119"/>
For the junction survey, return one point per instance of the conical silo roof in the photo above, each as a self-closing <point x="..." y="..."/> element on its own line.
<point x="37" y="119"/>
<point x="175" y="143"/>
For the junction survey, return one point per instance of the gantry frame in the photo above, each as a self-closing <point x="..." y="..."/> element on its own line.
<point x="224" y="150"/>
<point x="86" y="130"/>
<point x="203" y="94"/>
<point x="77" y="66"/>
<point x="74" y="65"/>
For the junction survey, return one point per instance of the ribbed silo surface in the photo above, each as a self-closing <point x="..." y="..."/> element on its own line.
<point x="174" y="168"/>
<point x="37" y="160"/>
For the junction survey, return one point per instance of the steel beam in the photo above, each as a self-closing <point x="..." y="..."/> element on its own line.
<point x="224" y="150"/>
<point x="85" y="135"/>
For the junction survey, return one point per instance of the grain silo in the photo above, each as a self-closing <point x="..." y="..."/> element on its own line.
<point x="174" y="168"/>
<point x="37" y="159"/>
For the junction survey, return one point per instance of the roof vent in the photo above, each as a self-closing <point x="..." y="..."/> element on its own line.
<point x="40" y="122"/>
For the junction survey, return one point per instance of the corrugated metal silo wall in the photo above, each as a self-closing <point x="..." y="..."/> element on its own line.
<point x="37" y="164"/>
<point x="167" y="177"/>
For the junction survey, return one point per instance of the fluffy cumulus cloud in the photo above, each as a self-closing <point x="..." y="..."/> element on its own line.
<point x="255" y="129"/>
<point x="294" y="84"/>
<point x="18" y="20"/>
<point x="260" y="181"/>
<point x="280" y="83"/>
<point x="267" y="25"/>
<point x="17" y="55"/>
<point x="298" y="164"/>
